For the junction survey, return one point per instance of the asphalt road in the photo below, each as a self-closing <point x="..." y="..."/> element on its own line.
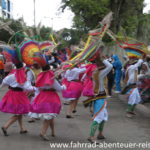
<point x="119" y="128"/>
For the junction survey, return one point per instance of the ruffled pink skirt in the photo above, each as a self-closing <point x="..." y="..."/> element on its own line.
<point x="46" y="102"/>
<point x="88" y="87"/>
<point x="15" y="102"/>
<point x="74" y="89"/>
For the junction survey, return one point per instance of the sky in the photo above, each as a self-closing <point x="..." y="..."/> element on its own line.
<point x="47" y="13"/>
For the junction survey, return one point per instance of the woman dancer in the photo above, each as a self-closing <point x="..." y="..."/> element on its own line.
<point x="47" y="103"/>
<point x="74" y="88"/>
<point x="15" y="100"/>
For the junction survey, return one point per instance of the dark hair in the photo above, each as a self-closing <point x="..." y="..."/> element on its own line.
<point x="46" y="68"/>
<point x="19" y="65"/>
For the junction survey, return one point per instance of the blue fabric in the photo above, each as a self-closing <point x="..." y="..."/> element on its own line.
<point x="118" y="72"/>
<point x="98" y="104"/>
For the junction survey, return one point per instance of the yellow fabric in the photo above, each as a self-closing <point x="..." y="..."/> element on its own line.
<point x="96" y="81"/>
<point x="36" y="72"/>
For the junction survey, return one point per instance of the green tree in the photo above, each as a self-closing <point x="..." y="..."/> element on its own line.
<point x="88" y="13"/>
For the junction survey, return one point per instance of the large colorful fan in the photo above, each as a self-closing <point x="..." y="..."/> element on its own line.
<point x="9" y="53"/>
<point x="133" y="52"/>
<point x="28" y="50"/>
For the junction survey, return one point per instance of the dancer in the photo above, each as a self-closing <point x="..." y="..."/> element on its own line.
<point x="15" y="100"/>
<point x="74" y="88"/>
<point x="99" y="101"/>
<point x="132" y="71"/>
<point x="47" y="103"/>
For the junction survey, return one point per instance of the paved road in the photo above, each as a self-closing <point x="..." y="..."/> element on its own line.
<point x="117" y="129"/>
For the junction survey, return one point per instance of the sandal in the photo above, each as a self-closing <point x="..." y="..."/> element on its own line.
<point x="68" y="116"/>
<point x="4" y="131"/>
<point x="100" y="137"/>
<point x="92" y="141"/>
<point x="31" y="121"/>
<point x="44" y="137"/>
<point x="23" y="132"/>
<point x="74" y="111"/>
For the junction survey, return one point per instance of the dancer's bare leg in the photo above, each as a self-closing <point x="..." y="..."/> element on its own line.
<point x="75" y="105"/>
<point x="70" y="108"/>
<point x="10" y="121"/>
<point x="20" y="121"/>
<point x="52" y="127"/>
<point x="45" y="126"/>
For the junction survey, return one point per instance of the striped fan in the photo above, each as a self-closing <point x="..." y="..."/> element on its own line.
<point x="28" y="50"/>
<point x="134" y="52"/>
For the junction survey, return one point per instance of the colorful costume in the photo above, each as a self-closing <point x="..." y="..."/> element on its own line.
<point x="88" y="84"/>
<point x="100" y="111"/>
<point x="47" y="103"/>
<point x="73" y="83"/>
<point x="15" y="100"/>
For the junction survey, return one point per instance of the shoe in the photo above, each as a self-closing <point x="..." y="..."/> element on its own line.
<point x="23" y="132"/>
<point x="92" y="141"/>
<point x="108" y="96"/>
<point x="44" y="137"/>
<point x="133" y="113"/>
<point x="74" y="111"/>
<point x="66" y="104"/>
<point x="68" y="116"/>
<point x="31" y="121"/>
<point x="129" y="115"/>
<point x="53" y="135"/>
<point x="4" y="131"/>
<point x="100" y="137"/>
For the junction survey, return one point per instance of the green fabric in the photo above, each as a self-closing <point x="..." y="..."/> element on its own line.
<point x="101" y="126"/>
<point x="131" y="108"/>
<point x="93" y="128"/>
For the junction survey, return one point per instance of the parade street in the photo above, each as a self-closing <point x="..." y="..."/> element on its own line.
<point x="119" y="128"/>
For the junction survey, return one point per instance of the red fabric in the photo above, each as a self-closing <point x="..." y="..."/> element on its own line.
<point x="20" y="75"/>
<point x="45" y="78"/>
<point x="1" y="65"/>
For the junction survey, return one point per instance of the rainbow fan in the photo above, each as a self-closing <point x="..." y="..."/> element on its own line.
<point x="28" y="50"/>
<point x="9" y="53"/>
<point x="133" y="52"/>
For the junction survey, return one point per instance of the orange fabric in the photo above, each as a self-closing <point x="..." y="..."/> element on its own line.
<point x="1" y="65"/>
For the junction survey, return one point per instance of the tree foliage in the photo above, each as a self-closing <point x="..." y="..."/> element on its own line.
<point x="127" y="14"/>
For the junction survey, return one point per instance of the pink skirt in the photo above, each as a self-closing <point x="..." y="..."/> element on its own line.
<point x="15" y="102"/>
<point x="74" y="89"/>
<point x="88" y="87"/>
<point x="46" y="102"/>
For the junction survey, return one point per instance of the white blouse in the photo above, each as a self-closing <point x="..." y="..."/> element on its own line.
<point x="131" y="71"/>
<point x="74" y="73"/>
<point x="103" y="74"/>
<point x="10" y="80"/>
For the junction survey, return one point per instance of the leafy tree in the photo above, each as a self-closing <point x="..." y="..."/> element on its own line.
<point x="88" y="13"/>
<point x="15" y="26"/>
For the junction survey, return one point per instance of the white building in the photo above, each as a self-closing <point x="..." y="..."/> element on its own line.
<point x="6" y="9"/>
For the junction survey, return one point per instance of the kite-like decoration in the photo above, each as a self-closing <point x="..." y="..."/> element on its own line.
<point x="93" y="44"/>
